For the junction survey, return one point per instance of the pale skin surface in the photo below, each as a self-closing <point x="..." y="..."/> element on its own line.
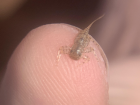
<point x="32" y="78"/>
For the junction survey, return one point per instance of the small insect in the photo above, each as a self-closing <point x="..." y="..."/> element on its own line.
<point x="79" y="47"/>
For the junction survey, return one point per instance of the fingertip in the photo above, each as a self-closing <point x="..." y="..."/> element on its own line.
<point x="33" y="77"/>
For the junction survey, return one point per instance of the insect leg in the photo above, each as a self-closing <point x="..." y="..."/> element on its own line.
<point x="85" y="58"/>
<point x="63" y="50"/>
<point x="101" y="52"/>
<point x="90" y="49"/>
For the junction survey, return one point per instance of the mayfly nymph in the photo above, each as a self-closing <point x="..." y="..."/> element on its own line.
<point x="80" y="45"/>
<point x="81" y="42"/>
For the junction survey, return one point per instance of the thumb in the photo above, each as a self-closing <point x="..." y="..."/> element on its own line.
<point x="33" y="78"/>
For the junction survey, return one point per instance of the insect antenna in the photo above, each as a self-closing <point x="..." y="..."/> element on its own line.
<point x="87" y="29"/>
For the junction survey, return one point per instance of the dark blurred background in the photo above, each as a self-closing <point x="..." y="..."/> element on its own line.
<point x="18" y="17"/>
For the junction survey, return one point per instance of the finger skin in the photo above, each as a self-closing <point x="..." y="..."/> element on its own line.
<point x="33" y="78"/>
